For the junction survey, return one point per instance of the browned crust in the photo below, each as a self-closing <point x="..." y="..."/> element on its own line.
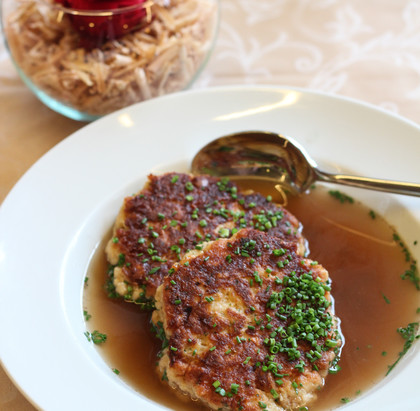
<point x="205" y="205"/>
<point x="210" y="300"/>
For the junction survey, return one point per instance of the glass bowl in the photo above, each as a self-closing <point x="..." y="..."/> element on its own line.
<point x="88" y="63"/>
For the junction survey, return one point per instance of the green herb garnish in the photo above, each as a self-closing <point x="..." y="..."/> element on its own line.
<point x="343" y="198"/>
<point x="409" y="334"/>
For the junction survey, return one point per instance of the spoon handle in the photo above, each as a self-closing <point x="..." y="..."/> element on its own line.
<point x="390" y="186"/>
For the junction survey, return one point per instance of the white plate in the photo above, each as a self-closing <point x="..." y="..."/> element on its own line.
<point x="58" y="212"/>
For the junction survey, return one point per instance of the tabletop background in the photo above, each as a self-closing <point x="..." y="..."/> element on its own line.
<point x="368" y="50"/>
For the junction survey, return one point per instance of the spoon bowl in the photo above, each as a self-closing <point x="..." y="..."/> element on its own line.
<point x="281" y="160"/>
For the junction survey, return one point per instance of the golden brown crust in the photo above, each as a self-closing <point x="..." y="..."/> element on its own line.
<point x="225" y="309"/>
<point x="175" y="213"/>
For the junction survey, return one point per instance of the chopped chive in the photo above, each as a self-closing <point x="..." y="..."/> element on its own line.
<point x="386" y="298"/>
<point x="154" y="270"/>
<point x="224" y="232"/>
<point x="86" y="315"/>
<point x="189" y="186"/>
<point x="234" y="388"/>
<point x="410" y="334"/>
<point x="97" y="337"/>
<point x="341" y="196"/>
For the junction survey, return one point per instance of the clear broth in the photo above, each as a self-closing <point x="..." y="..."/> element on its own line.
<point x="365" y="265"/>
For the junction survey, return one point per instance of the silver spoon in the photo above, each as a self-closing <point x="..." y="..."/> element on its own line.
<point x="273" y="157"/>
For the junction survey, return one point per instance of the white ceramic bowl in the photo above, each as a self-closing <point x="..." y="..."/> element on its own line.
<point x="61" y="209"/>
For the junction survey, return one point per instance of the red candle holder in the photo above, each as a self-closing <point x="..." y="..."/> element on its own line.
<point x="98" y="21"/>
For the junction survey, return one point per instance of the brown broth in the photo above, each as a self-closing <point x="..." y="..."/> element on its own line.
<point x="371" y="299"/>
